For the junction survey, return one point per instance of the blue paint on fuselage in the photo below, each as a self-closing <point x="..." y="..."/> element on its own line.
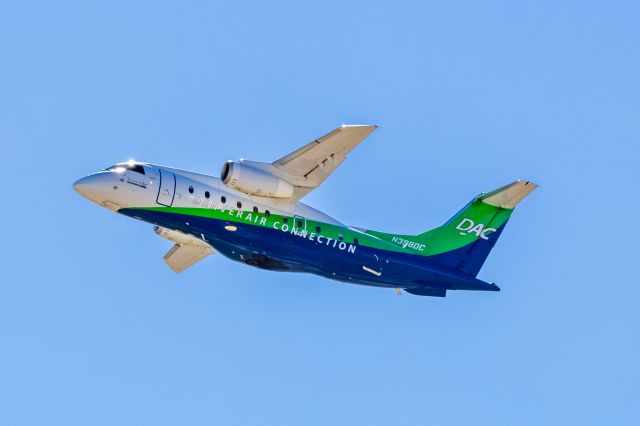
<point x="276" y="250"/>
<point x="469" y="259"/>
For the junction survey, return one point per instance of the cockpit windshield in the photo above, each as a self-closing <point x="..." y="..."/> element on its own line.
<point x="119" y="168"/>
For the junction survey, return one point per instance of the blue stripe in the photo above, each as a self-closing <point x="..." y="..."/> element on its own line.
<point x="283" y="251"/>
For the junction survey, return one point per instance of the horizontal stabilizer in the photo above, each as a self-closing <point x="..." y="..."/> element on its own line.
<point x="508" y="196"/>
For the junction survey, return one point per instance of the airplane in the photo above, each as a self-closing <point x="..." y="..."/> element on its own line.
<point x="253" y="214"/>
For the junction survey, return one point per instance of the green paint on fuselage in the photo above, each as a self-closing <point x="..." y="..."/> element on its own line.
<point x="436" y="241"/>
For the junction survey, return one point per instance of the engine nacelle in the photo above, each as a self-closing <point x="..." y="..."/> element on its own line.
<point x="252" y="181"/>
<point x="178" y="237"/>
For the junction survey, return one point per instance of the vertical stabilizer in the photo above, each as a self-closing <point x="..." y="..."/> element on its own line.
<point x="465" y="241"/>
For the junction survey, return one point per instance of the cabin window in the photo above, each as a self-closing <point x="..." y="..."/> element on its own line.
<point x="191" y="190"/>
<point x="206" y="194"/>
<point x="299" y="223"/>
<point x="355" y="241"/>
<point x="267" y="213"/>
<point x="318" y="229"/>
<point x="285" y="219"/>
<point x="255" y="209"/>
<point x="223" y="199"/>
<point x="239" y="204"/>
<point x="340" y="237"/>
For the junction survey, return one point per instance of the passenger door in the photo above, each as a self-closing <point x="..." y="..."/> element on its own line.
<point x="166" y="189"/>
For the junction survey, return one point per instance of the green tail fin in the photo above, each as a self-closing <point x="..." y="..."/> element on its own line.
<point x="465" y="240"/>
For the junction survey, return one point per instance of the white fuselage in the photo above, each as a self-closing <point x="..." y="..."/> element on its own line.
<point x="122" y="186"/>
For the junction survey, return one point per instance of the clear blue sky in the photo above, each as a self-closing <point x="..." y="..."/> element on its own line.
<point x="96" y="330"/>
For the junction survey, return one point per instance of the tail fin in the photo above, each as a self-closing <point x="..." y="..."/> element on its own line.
<point x="464" y="242"/>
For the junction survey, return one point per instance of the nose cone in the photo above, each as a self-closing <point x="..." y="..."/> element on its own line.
<point x="81" y="186"/>
<point x="91" y="187"/>
<point x="85" y="185"/>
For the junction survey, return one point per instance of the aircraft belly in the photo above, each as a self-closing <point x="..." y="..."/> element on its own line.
<point x="275" y="250"/>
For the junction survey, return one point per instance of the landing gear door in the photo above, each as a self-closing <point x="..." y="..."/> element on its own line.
<point x="166" y="189"/>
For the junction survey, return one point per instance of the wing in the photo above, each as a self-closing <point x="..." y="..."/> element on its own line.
<point x="180" y="257"/>
<point x="314" y="162"/>
<point x="187" y="249"/>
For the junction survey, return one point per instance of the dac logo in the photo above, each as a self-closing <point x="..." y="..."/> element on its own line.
<point x="469" y="226"/>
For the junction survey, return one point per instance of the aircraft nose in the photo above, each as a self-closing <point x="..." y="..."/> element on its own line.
<point x="90" y="187"/>
<point x="80" y="185"/>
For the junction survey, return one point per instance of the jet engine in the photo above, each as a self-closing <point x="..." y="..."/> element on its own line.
<point x="252" y="181"/>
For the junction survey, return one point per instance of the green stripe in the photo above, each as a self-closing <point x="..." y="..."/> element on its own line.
<point x="436" y="241"/>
